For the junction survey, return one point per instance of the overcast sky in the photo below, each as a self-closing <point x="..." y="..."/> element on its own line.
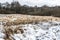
<point x="35" y="2"/>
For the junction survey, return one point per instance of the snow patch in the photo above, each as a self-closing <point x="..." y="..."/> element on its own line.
<point x="37" y="32"/>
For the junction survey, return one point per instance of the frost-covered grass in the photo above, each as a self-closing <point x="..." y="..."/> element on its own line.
<point x="40" y="31"/>
<point x="27" y="27"/>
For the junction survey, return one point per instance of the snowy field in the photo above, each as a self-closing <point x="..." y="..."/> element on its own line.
<point x="40" y="31"/>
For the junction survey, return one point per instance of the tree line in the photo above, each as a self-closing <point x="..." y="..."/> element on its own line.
<point x="17" y="8"/>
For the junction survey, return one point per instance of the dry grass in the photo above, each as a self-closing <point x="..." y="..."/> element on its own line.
<point x="12" y="23"/>
<point x="22" y="19"/>
<point x="11" y="30"/>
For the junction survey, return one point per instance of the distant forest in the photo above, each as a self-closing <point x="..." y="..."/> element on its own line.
<point x="17" y="8"/>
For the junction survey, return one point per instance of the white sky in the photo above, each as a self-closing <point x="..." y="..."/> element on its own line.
<point x="35" y="2"/>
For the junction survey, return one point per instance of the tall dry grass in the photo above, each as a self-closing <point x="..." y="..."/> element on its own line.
<point x="23" y="19"/>
<point x="12" y="23"/>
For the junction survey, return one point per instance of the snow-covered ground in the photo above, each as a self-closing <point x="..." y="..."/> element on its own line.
<point x="40" y="31"/>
